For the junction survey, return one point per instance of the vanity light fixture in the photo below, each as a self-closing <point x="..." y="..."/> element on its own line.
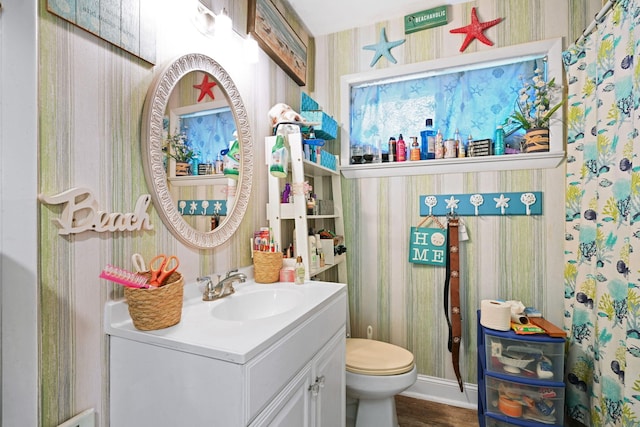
<point x="224" y="25"/>
<point x="210" y="24"/>
<point x="204" y="20"/>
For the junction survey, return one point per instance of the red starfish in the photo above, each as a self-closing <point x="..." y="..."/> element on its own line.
<point x="475" y="30"/>
<point x="205" y="88"/>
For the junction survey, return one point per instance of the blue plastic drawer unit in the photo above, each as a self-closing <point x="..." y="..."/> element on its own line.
<point x="520" y="379"/>
<point x="539" y="357"/>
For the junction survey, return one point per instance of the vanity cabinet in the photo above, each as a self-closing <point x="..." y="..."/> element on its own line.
<point x="284" y="218"/>
<point x="167" y="378"/>
<point x="520" y="379"/>
<point x="314" y="397"/>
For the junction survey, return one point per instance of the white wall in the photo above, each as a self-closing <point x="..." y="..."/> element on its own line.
<point x="18" y="213"/>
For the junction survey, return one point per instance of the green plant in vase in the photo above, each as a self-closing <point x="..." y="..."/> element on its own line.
<point x="537" y="101"/>
<point x="178" y="147"/>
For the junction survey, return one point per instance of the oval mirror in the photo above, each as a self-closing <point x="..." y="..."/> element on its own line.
<point x="193" y="111"/>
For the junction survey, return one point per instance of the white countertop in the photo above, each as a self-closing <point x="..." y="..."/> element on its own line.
<point x="199" y="332"/>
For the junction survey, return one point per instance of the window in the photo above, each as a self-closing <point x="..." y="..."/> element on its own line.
<point x="209" y="130"/>
<point x="471" y="92"/>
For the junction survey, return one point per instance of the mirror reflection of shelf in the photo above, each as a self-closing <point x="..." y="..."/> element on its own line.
<point x="188" y="180"/>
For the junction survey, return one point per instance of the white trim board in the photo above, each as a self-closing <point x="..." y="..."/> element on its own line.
<point x="443" y="391"/>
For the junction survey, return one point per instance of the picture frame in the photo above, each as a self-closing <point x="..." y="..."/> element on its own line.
<point x="278" y="39"/>
<point x="127" y="24"/>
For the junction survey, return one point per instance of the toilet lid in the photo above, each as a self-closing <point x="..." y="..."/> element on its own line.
<point x="370" y="357"/>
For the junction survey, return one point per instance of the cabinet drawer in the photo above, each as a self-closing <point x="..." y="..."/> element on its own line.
<point x="533" y="401"/>
<point x="535" y="357"/>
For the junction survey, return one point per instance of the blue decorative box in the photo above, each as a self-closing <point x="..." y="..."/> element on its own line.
<point x="307" y="103"/>
<point x="328" y="160"/>
<point x="326" y="129"/>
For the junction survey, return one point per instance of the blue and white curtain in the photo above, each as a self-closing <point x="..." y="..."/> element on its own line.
<point x="602" y="248"/>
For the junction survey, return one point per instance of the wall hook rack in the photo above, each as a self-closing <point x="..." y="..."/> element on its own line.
<point x="476" y="204"/>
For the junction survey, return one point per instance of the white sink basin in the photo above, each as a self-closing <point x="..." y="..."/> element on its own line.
<point x="258" y="304"/>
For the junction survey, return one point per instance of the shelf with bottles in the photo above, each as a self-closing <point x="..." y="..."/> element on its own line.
<point x="479" y="155"/>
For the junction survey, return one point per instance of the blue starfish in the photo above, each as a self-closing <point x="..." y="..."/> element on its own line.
<point x="383" y="48"/>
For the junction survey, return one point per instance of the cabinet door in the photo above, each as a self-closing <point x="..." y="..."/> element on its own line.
<point x="328" y="405"/>
<point x="291" y="408"/>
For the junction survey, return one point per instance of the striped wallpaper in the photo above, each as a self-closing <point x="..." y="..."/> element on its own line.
<point x="91" y="98"/>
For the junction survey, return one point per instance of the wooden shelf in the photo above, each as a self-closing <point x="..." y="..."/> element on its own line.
<point x="190" y="180"/>
<point x="339" y="259"/>
<point x="314" y="169"/>
<point x="325" y="182"/>
<point x="455" y="165"/>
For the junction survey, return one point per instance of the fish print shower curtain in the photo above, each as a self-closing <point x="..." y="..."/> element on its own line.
<point x="602" y="249"/>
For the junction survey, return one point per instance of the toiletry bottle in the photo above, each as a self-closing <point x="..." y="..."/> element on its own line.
<point x="498" y="145"/>
<point x="314" y="263"/>
<point x="384" y="152"/>
<point x="459" y="144"/>
<point x="392" y="149"/>
<point x="286" y="193"/>
<point x="428" y="141"/>
<point x="415" y="149"/>
<point x="469" y="146"/>
<point x="219" y="165"/>
<point x="299" y="271"/>
<point x="462" y="149"/>
<point x="439" y="150"/>
<point x="232" y="161"/>
<point x="401" y="149"/>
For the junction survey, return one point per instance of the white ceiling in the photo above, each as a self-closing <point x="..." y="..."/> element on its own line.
<point x="331" y="16"/>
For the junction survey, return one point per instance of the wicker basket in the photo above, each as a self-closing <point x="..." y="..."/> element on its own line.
<point x="266" y="266"/>
<point x="156" y="308"/>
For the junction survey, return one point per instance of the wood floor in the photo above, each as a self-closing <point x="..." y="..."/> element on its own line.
<point x="422" y="413"/>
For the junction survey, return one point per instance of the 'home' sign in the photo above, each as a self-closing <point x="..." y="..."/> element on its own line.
<point x="428" y="246"/>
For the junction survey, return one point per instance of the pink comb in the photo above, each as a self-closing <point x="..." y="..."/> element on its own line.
<point x="125" y="278"/>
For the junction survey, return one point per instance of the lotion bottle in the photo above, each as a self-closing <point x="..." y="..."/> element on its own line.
<point x="299" y="271"/>
<point x="439" y="146"/>
<point x="415" y="149"/>
<point x="401" y="149"/>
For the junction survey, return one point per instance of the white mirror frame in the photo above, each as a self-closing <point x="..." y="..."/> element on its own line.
<point x="152" y="155"/>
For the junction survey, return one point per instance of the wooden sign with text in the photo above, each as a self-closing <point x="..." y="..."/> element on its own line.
<point x="81" y="213"/>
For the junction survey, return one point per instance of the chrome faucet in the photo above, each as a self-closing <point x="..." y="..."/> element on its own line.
<point x="223" y="288"/>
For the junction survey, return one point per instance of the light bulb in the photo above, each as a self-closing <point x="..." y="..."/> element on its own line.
<point x="224" y="25"/>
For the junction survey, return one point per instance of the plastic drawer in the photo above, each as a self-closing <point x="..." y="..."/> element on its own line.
<point x="534" y="357"/>
<point x="530" y="400"/>
<point x="495" y="422"/>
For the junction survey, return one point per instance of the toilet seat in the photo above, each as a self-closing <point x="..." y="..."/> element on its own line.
<point x="370" y="357"/>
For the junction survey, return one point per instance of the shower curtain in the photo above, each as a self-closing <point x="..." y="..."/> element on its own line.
<point x="602" y="247"/>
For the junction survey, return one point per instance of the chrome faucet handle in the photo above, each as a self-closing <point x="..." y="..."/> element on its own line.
<point x="235" y="270"/>
<point x="211" y="291"/>
<point x="203" y="279"/>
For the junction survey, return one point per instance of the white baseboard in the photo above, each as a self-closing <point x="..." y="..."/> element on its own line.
<point x="444" y="391"/>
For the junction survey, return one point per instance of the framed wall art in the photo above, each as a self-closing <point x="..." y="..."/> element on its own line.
<point x="127" y="24"/>
<point x="276" y="37"/>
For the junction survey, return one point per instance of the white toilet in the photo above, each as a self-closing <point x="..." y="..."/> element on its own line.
<point x="376" y="372"/>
